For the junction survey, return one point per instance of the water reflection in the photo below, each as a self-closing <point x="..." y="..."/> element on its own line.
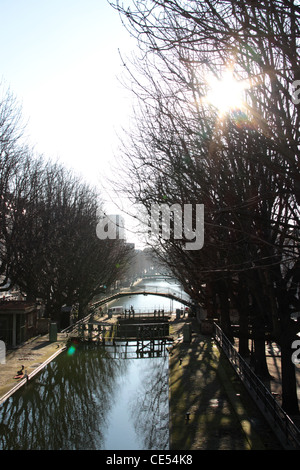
<point x="61" y="409"/>
<point x="149" y="406"/>
<point x="73" y="402"/>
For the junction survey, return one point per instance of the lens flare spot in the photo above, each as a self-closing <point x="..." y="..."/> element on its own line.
<point x="71" y="350"/>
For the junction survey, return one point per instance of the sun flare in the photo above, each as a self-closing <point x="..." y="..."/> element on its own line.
<point x="226" y="93"/>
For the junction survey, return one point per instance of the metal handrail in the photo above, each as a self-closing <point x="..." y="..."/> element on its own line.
<point x="259" y="392"/>
<point x="75" y="325"/>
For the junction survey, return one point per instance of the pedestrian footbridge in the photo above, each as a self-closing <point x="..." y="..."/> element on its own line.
<point x="167" y="293"/>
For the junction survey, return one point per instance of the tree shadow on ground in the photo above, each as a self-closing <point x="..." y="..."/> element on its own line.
<point x="201" y="414"/>
<point x="202" y="417"/>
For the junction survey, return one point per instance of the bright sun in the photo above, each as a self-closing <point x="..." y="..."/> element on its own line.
<point x="226" y="94"/>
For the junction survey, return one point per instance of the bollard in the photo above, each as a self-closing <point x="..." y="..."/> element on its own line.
<point x="2" y="352"/>
<point x="53" y="332"/>
<point x="187" y="332"/>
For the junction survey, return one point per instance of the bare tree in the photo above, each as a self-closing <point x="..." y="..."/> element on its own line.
<point x="58" y="257"/>
<point x="13" y="155"/>
<point x="243" y="168"/>
<point x="48" y="218"/>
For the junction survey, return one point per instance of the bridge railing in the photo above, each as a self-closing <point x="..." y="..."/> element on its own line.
<point x="145" y="313"/>
<point x="157" y="289"/>
<point x="151" y="289"/>
<point x="77" y="324"/>
<point x="275" y="415"/>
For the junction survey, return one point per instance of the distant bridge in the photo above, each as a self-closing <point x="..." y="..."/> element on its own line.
<point x="118" y="295"/>
<point x="158" y="276"/>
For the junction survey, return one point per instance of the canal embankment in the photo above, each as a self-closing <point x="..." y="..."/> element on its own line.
<point x="34" y="354"/>
<point x="209" y="408"/>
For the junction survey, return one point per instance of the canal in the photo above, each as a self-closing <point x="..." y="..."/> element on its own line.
<point x="95" y="398"/>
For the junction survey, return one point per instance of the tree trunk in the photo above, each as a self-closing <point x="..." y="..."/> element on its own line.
<point x="289" y="385"/>
<point x="209" y="301"/>
<point x="259" y="353"/>
<point x="243" y="336"/>
<point x="243" y="309"/>
<point x="288" y="376"/>
<point x="82" y="310"/>
<point x="287" y="335"/>
<point x="53" y="312"/>
<point x="225" y="322"/>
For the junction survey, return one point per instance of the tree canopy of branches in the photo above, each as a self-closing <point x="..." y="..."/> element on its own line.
<point x="48" y="217"/>
<point x="243" y="166"/>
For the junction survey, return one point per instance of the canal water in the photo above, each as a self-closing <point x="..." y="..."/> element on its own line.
<point x="95" y="398"/>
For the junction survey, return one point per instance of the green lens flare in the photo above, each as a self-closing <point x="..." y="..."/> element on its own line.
<point x="71" y="350"/>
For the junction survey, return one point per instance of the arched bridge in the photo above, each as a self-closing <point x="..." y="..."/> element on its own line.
<point x="117" y="295"/>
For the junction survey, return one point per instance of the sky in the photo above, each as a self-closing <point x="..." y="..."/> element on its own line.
<point x="60" y="59"/>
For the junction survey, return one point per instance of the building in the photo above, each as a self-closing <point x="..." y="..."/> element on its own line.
<point x="18" y="321"/>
